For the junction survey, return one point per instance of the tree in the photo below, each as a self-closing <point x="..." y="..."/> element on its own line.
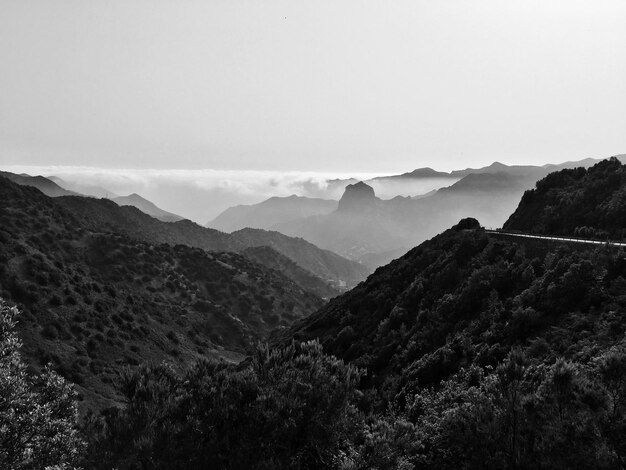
<point x="38" y="414"/>
<point x="287" y="408"/>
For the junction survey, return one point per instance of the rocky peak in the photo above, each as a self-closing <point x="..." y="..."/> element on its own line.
<point x="357" y="197"/>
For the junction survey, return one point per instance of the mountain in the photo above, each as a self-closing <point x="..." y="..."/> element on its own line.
<point x="56" y="187"/>
<point x="475" y="344"/>
<point x="84" y="189"/>
<point x="358" y="197"/>
<point x="94" y="300"/>
<point x="417" y="173"/>
<point x="46" y="186"/>
<point x="146" y="207"/>
<point x="106" y="215"/>
<point x="361" y="225"/>
<point x="378" y="226"/>
<point x="586" y="202"/>
<point x="371" y="226"/>
<point x="475" y="350"/>
<point x="270" y="212"/>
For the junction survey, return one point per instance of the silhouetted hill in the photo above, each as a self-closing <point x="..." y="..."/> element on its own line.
<point x="94" y="300"/>
<point x="586" y="202"/>
<point x="106" y="215"/>
<point x="56" y="187"/>
<point x="46" y="186"/>
<point x="270" y="212"/>
<point x="146" y="207"/>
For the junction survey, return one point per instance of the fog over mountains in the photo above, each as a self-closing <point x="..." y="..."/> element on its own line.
<point x="368" y="228"/>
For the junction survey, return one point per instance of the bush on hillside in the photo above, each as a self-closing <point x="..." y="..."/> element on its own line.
<point x="38" y="414"/>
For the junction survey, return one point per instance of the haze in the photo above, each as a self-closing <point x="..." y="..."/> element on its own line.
<point x="353" y="86"/>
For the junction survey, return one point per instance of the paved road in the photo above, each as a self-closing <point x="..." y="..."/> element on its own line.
<point x="559" y="239"/>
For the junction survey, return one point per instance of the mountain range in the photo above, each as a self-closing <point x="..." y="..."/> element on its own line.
<point x="105" y="214"/>
<point x="475" y="349"/>
<point x="94" y="300"/>
<point x="373" y="231"/>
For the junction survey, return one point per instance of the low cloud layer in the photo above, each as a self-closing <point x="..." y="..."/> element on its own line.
<point x="199" y="195"/>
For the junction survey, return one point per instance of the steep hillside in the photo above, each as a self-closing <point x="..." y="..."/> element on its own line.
<point x="326" y="265"/>
<point x="146" y="207"/>
<point x="586" y="202"/>
<point x="465" y="298"/>
<point x="468" y="352"/>
<point x="268" y="257"/>
<point x="105" y="215"/>
<point x="46" y="186"/>
<point x="94" y="301"/>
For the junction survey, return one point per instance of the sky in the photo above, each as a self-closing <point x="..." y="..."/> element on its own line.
<point x="287" y="90"/>
<point x="325" y="86"/>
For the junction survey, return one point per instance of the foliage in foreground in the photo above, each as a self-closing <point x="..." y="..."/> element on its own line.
<point x="297" y="408"/>
<point x="38" y="413"/>
<point x="287" y="408"/>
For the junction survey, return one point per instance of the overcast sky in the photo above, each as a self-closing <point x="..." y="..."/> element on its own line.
<point x="363" y="86"/>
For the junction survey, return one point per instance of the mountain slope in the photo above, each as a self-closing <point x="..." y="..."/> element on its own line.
<point x="325" y="264"/>
<point x="582" y="202"/>
<point x="56" y="187"/>
<point x="105" y="215"/>
<point x="146" y="207"/>
<point x="270" y="258"/>
<point x="94" y="301"/>
<point x="466" y="298"/>
<point x="46" y="186"/>
<point x="84" y="189"/>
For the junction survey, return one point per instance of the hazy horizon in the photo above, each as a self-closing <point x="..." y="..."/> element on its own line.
<point x="201" y="195"/>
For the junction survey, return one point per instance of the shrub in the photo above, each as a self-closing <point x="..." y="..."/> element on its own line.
<point x="38" y="414"/>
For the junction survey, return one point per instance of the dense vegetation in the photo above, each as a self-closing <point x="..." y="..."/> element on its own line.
<point x="471" y="351"/>
<point x="93" y="302"/>
<point x="282" y="409"/>
<point x="38" y="413"/>
<point x="104" y="215"/>
<point x="99" y="215"/>
<point x="585" y="202"/>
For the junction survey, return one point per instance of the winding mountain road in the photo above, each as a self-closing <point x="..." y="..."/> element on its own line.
<point x="556" y="239"/>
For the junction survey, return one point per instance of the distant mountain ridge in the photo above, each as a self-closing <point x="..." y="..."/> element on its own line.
<point x="270" y="212"/>
<point x="45" y="185"/>
<point x="84" y="189"/>
<point x="57" y="187"/>
<point x="147" y="207"/>
<point x="101" y="214"/>
<point x="378" y="226"/>
<point x="391" y="225"/>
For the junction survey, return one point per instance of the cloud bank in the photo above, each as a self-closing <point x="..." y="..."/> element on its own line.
<point x="199" y="195"/>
